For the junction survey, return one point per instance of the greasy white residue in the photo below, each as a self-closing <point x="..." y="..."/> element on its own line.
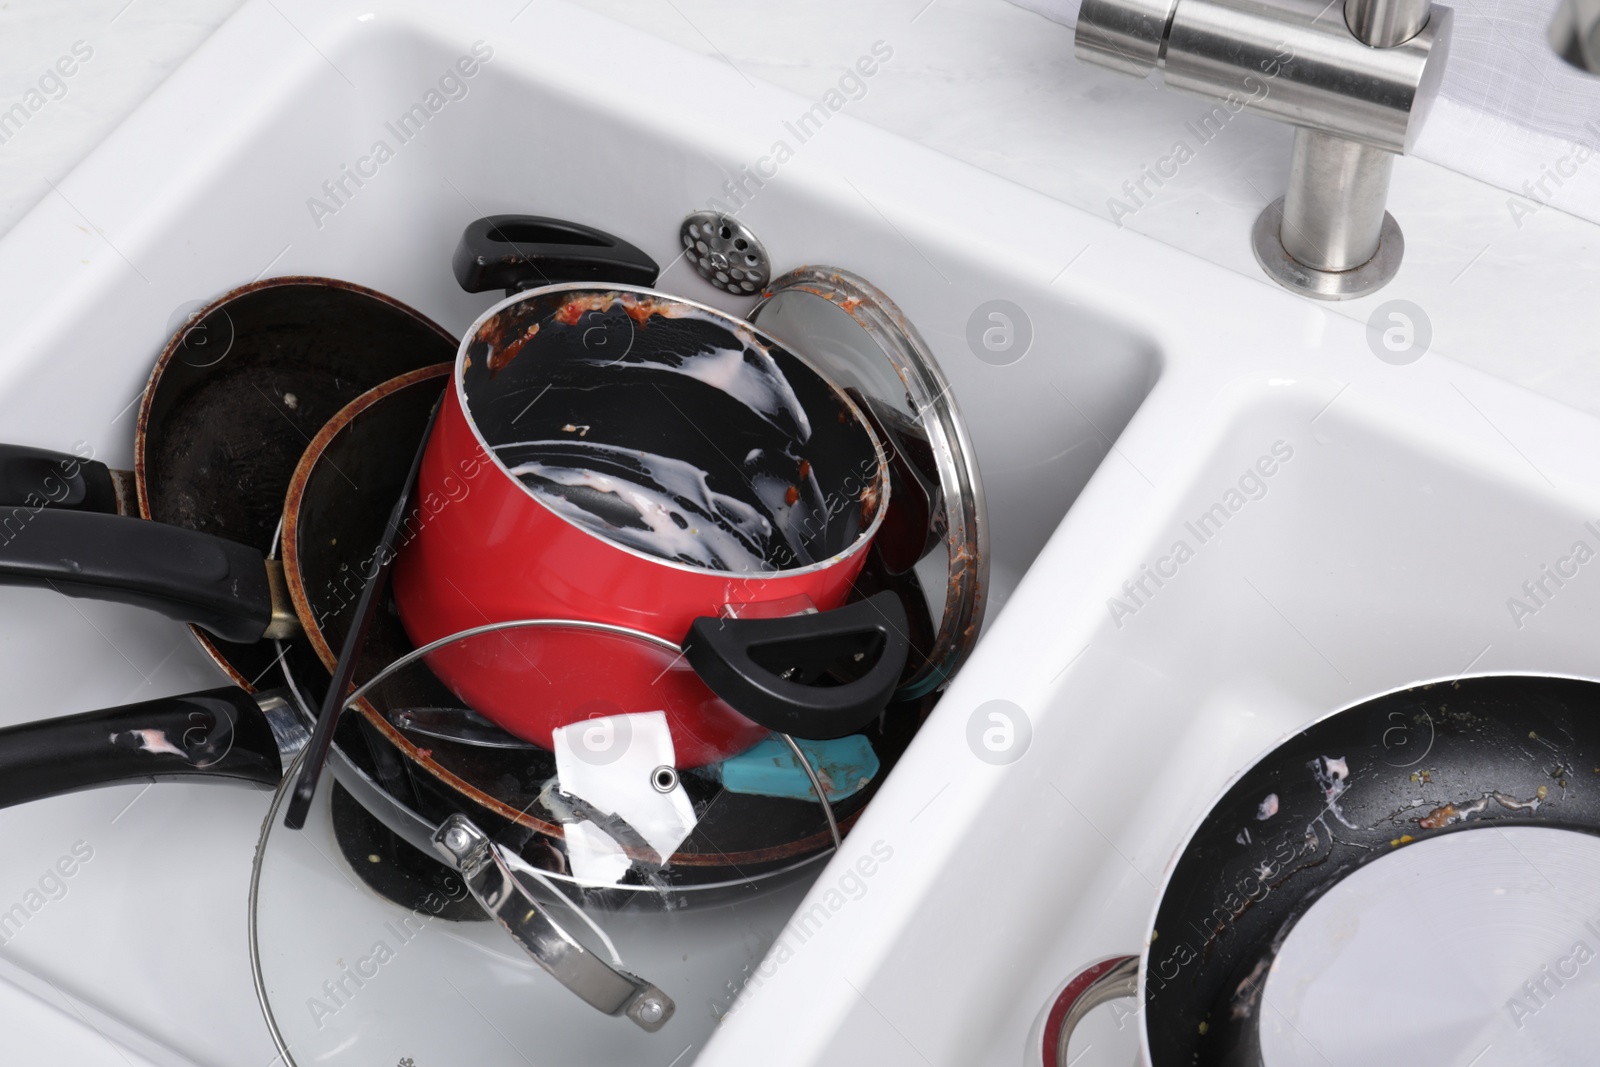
<point x="1513" y="804"/>
<point x="1246" y="992"/>
<point x="1452" y="813"/>
<point x="753" y="457"/>
<point x="580" y="430"/>
<point x="554" y="801"/>
<point x="1243" y="836"/>
<point x="682" y="517"/>
<point x="750" y="376"/>
<point x="152" y="741"/>
<point x="1268" y="807"/>
<point x="1332" y="775"/>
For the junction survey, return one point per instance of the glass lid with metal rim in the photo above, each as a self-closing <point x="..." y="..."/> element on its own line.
<point x="582" y="904"/>
<point x="936" y="532"/>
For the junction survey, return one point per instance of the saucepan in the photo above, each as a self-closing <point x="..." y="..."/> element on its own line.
<point x="648" y="462"/>
<point x="1463" y="755"/>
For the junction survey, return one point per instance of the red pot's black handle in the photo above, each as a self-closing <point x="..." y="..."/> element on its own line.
<point x="517" y="252"/>
<point x="38" y="477"/>
<point x="219" y="585"/>
<point x="217" y="733"/>
<point x="771" y="671"/>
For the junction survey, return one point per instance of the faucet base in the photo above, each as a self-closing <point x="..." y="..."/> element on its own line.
<point x="1369" y="277"/>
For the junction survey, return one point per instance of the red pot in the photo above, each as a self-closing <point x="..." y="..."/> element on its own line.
<point x="614" y="455"/>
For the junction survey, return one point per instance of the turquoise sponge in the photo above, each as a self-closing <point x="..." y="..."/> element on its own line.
<point x="844" y="765"/>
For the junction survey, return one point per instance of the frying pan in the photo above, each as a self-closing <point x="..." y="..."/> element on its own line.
<point x="231" y="403"/>
<point x="1447" y="757"/>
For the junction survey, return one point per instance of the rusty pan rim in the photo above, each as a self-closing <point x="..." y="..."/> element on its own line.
<point x="142" y="430"/>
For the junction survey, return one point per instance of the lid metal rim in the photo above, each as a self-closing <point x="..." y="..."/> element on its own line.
<point x="933" y="402"/>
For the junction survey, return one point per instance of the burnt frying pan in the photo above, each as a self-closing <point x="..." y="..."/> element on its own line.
<point x="218" y="733"/>
<point x="231" y="404"/>
<point x="1448" y="757"/>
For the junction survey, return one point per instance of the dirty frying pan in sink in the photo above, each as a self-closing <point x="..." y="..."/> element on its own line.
<point x="229" y="408"/>
<point x="1516" y="754"/>
<point x="227" y="732"/>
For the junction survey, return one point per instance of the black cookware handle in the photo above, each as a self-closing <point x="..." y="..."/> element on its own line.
<point x="517" y="252"/>
<point x="38" y="477"/>
<point x="217" y="733"/>
<point x="218" y="585"/>
<point x="761" y="667"/>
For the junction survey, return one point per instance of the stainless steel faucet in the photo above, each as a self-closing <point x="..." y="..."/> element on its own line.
<point x="1355" y="82"/>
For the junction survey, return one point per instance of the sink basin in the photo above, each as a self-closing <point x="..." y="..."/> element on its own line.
<point x="1406" y="503"/>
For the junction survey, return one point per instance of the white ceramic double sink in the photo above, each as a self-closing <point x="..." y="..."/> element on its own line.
<point x="1348" y="525"/>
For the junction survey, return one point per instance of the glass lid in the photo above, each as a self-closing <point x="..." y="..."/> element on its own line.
<point x="936" y="528"/>
<point x="494" y="901"/>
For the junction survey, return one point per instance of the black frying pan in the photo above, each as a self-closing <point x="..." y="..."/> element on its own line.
<point x="231" y="404"/>
<point x="1448" y="757"/>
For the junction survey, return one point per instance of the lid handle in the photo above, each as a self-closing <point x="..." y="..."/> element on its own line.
<point x="509" y="903"/>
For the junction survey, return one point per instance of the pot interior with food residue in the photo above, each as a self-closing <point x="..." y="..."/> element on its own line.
<point x="673" y="430"/>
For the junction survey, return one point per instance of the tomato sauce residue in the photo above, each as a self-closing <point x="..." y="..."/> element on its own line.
<point x="805" y="468"/>
<point x="790" y="495"/>
<point x="501" y="356"/>
<point x="1439" y="817"/>
<point x="639" y="310"/>
<point x="869" y="502"/>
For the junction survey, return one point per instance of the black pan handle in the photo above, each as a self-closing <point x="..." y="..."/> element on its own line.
<point x="216" y="733"/>
<point x="762" y="667"/>
<point x="38" y="477"/>
<point x="218" y="585"/>
<point x="517" y="252"/>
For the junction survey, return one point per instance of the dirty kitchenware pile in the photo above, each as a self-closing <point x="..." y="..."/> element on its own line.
<point x="658" y="626"/>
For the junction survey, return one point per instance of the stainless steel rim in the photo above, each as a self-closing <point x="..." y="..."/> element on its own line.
<point x="931" y="399"/>
<point x="862" y="542"/>
<point x="257" y="977"/>
<point x="1290" y="273"/>
<point x="1118" y="978"/>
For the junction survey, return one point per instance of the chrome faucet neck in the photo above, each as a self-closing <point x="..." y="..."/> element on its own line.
<point x="1355" y="83"/>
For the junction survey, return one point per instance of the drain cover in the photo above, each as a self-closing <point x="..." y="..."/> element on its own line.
<point x="725" y="252"/>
